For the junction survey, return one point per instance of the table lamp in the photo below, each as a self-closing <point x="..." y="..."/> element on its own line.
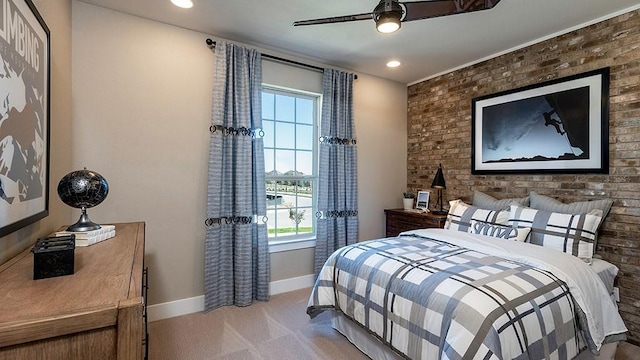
<point x="439" y="183"/>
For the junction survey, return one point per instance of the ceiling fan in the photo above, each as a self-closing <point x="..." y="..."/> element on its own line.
<point x="388" y="14"/>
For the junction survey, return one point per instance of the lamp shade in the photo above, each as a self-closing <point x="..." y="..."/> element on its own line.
<point x="438" y="180"/>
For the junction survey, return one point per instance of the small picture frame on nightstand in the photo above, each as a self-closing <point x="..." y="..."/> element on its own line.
<point x="422" y="201"/>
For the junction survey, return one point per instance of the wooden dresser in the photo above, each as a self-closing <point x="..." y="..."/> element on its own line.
<point x="399" y="220"/>
<point x="96" y="313"/>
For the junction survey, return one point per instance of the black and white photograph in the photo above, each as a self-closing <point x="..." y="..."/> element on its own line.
<point x="422" y="201"/>
<point x="24" y="115"/>
<point x="559" y="126"/>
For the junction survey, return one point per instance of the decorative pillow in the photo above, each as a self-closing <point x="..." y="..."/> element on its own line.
<point x="499" y="231"/>
<point x="546" y="203"/>
<point x="571" y="233"/>
<point x="486" y="201"/>
<point x="461" y="214"/>
<point x="542" y="202"/>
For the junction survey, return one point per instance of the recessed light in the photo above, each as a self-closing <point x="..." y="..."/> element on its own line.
<point x="393" y="63"/>
<point x="186" y="4"/>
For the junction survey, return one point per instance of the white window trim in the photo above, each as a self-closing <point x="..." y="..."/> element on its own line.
<point x="289" y="245"/>
<point x="299" y="242"/>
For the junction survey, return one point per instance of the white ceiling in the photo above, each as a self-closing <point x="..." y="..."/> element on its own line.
<point x="425" y="47"/>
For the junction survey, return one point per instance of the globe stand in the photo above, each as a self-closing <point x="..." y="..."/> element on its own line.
<point x="84" y="223"/>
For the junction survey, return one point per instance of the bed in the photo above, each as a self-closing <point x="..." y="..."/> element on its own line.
<point x="478" y="289"/>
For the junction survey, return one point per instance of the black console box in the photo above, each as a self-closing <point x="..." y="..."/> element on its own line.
<point x="53" y="256"/>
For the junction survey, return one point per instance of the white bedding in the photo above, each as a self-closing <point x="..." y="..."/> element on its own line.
<point x="606" y="271"/>
<point x="585" y="285"/>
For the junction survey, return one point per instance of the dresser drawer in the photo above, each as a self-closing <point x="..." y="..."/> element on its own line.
<point x="398" y="220"/>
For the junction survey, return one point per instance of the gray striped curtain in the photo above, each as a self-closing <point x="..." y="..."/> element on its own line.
<point x="338" y="182"/>
<point x="236" y="246"/>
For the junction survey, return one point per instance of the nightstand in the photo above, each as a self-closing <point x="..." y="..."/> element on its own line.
<point x="399" y="220"/>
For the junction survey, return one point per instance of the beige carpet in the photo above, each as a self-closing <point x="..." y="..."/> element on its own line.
<point x="279" y="329"/>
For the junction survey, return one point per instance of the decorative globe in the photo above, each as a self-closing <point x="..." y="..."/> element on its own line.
<point x="83" y="189"/>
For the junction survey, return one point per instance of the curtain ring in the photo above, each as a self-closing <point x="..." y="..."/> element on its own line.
<point x="265" y="219"/>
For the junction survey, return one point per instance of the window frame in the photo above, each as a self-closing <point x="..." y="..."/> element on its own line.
<point x="305" y="240"/>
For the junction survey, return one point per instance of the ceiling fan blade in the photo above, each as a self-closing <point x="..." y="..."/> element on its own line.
<point x="428" y="9"/>
<point x="335" y="19"/>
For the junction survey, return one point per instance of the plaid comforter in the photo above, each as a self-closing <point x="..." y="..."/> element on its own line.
<point x="430" y="299"/>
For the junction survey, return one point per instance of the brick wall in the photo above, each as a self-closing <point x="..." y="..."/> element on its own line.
<point x="439" y="131"/>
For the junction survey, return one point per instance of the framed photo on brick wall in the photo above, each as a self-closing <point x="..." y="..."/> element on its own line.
<point x="559" y="126"/>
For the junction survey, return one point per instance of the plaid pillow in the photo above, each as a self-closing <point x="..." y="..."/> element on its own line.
<point x="499" y="231"/>
<point x="546" y="203"/>
<point x="461" y="214"/>
<point x="571" y="233"/>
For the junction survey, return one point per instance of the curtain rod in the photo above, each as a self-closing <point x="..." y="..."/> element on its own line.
<point x="212" y="44"/>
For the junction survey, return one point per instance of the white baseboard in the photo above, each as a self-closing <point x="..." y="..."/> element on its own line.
<point x="286" y="285"/>
<point x="196" y="304"/>
<point x="175" y="308"/>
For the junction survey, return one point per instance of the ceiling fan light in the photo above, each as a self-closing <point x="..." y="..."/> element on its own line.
<point x="185" y="4"/>
<point x="388" y="23"/>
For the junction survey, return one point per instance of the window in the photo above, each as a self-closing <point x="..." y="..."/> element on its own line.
<point x="289" y="121"/>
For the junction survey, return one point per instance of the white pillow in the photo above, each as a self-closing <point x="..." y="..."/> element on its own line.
<point x="499" y="231"/>
<point x="461" y="214"/>
<point x="571" y="233"/>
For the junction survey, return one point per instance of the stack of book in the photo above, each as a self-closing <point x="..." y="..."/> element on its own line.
<point x="86" y="238"/>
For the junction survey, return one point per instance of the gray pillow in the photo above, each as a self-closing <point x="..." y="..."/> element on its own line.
<point x="542" y="202"/>
<point x="485" y="201"/>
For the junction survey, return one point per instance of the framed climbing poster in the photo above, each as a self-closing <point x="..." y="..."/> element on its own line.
<point x="24" y="115"/>
<point x="559" y="126"/>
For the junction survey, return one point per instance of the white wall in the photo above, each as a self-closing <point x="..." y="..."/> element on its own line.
<point x="141" y="112"/>
<point x="381" y="127"/>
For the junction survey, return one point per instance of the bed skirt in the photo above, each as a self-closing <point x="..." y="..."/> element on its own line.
<point x="377" y="351"/>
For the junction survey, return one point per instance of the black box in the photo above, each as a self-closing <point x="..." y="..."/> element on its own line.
<point x="53" y="256"/>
